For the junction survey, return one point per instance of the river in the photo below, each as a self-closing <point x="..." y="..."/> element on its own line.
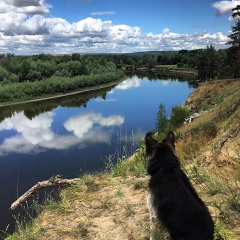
<point x="75" y="134"/>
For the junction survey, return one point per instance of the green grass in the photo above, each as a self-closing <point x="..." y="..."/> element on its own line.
<point x="173" y="66"/>
<point x="166" y="66"/>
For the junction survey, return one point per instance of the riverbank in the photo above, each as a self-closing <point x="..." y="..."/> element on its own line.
<point x="28" y="91"/>
<point x="112" y="204"/>
<point x="165" y="69"/>
<point x="87" y="89"/>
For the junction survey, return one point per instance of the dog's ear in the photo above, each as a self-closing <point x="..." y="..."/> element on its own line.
<point x="150" y="144"/>
<point x="170" y="138"/>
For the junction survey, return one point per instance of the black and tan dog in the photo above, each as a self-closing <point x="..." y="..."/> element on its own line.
<point x="172" y="199"/>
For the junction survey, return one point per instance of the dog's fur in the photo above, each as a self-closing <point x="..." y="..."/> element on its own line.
<point x="172" y="198"/>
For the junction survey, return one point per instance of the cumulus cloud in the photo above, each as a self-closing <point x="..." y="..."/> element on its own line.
<point x="36" y="135"/>
<point x="25" y="29"/>
<point x="25" y="3"/>
<point x="25" y="6"/>
<point x="54" y="35"/>
<point x="224" y="7"/>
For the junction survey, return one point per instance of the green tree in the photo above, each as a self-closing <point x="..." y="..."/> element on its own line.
<point x="13" y="78"/>
<point x="161" y="119"/>
<point x="234" y="50"/>
<point x="76" y="57"/>
<point x="46" y="68"/>
<point x="207" y="63"/>
<point x="3" y="73"/>
<point x="224" y="70"/>
<point x="178" y="116"/>
<point x="24" y="69"/>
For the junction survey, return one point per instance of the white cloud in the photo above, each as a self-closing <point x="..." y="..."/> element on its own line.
<point x="54" y="35"/>
<point x="224" y="7"/>
<point x="25" y="29"/>
<point x="36" y="135"/>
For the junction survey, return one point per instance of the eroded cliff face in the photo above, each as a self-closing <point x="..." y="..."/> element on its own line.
<point x="207" y="93"/>
<point x="222" y="101"/>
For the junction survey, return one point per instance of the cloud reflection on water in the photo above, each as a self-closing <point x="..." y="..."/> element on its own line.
<point x="129" y="83"/>
<point x="165" y="82"/>
<point x="34" y="136"/>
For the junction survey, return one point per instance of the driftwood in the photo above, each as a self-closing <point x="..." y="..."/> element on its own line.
<point x="53" y="181"/>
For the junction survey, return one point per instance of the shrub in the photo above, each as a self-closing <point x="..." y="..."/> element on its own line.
<point x="178" y="116"/>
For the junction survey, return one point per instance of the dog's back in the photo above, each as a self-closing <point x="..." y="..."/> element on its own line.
<point x="176" y="203"/>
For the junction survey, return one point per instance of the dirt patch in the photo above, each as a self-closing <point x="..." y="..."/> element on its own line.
<point x="117" y="211"/>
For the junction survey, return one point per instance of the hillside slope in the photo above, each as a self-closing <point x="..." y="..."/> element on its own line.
<point x="112" y="205"/>
<point x="222" y="101"/>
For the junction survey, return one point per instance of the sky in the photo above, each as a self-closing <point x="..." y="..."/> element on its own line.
<point x="30" y="27"/>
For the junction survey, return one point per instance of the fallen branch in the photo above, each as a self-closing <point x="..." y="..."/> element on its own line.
<point x="53" y="181"/>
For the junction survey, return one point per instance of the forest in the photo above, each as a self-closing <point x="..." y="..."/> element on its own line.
<point x="28" y="77"/>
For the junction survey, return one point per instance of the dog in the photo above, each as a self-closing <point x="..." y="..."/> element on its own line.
<point x="172" y="199"/>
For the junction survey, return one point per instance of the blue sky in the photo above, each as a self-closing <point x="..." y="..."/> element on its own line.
<point x="112" y="26"/>
<point x="182" y="16"/>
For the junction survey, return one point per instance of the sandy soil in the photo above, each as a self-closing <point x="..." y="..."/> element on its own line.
<point x="116" y="211"/>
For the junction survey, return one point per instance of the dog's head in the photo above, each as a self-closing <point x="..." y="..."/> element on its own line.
<point x="152" y="145"/>
<point x="161" y="154"/>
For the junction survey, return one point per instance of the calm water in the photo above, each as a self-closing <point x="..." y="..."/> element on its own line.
<point x="75" y="134"/>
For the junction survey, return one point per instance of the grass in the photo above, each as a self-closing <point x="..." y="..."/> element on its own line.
<point x="158" y="232"/>
<point x="134" y="166"/>
<point x="61" y="208"/>
<point x="213" y="97"/>
<point x="141" y="184"/>
<point x="83" y="229"/>
<point x="166" y="66"/>
<point x="129" y="210"/>
<point x="172" y="66"/>
<point x="119" y="192"/>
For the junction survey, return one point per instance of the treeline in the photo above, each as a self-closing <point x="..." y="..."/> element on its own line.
<point x="28" y="77"/>
<point x="209" y="64"/>
<point x="53" y="85"/>
<point x="39" y="67"/>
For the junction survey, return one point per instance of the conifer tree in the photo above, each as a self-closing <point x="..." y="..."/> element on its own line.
<point x="234" y="50"/>
<point x="161" y="119"/>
